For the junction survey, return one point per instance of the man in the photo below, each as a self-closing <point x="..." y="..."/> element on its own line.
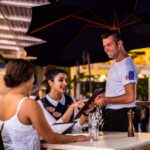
<point x="120" y="92"/>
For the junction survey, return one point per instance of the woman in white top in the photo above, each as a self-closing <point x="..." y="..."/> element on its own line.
<point x="57" y="106"/>
<point x="24" y="121"/>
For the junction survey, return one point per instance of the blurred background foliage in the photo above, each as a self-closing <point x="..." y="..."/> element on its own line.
<point x="142" y="88"/>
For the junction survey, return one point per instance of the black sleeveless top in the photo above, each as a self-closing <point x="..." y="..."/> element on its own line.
<point x="57" y="111"/>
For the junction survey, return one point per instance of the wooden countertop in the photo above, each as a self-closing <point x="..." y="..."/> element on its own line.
<point x="107" y="141"/>
<point x="143" y="103"/>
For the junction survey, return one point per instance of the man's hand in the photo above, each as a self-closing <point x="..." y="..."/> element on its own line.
<point x="100" y="100"/>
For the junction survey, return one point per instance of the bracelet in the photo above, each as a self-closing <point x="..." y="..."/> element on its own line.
<point x="85" y="114"/>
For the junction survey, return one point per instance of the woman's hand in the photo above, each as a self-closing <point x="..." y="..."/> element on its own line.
<point x="81" y="138"/>
<point x="79" y="104"/>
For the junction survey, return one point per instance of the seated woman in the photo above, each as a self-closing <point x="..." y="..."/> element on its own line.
<point x="57" y="106"/>
<point x="23" y="118"/>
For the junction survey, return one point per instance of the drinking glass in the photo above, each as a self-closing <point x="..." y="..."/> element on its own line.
<point x="93" y="126"/>
<point x="99" y="115"/>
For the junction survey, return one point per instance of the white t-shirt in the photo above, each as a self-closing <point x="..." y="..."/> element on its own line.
<point x="120" y="74"/>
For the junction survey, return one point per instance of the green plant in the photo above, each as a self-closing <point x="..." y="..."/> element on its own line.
<point x="142" y="88"/>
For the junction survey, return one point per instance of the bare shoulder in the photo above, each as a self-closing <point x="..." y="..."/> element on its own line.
<point x="31" y="101"/>
<point x="31" y="104"/>
<point x="3" y="99"/>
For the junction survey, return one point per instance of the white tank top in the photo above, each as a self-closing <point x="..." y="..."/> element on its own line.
<point x="18" y="136"/>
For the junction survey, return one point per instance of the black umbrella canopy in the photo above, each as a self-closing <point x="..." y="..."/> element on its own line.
<point x="73" y="27"/>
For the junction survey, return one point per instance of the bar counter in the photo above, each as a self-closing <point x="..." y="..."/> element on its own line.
<point x="143" y="103"/>
<point x="108" y="141"/>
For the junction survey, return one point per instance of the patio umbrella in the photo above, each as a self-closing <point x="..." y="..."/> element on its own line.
<point x="73" y="28"/>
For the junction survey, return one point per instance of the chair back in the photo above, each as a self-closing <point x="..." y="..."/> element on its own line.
<point x="1" y="140"/>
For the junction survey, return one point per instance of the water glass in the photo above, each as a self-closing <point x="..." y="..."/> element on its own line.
<point x="99" y="115"/>
<point x="93" y="127"/>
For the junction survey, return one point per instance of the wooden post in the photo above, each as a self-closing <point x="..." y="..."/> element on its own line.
<point x="89" y="69"/>
<point x="78" y="84"/>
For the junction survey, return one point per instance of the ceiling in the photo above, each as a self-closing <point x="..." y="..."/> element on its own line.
<point x="15" y="19"/>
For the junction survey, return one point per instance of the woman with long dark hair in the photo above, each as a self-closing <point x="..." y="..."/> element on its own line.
<point x="57" y="105"/>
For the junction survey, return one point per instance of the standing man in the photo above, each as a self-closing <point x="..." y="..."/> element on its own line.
<point x="120" y="93"/>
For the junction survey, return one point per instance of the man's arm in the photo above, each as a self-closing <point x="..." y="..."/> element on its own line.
<point x="128" y="97"/>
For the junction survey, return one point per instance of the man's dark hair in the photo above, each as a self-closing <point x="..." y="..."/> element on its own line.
<point x="114" y="33"/>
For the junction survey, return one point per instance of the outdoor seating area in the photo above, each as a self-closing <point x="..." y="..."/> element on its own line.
<point x="75" y="74"/>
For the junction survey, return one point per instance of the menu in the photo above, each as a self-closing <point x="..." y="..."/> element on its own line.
<point x="64" y="127"/>
<point x="90" y="100"/>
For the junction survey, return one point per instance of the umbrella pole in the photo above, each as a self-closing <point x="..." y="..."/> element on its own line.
<point x="89" y="69"/>
<point x="78" y="84"/>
